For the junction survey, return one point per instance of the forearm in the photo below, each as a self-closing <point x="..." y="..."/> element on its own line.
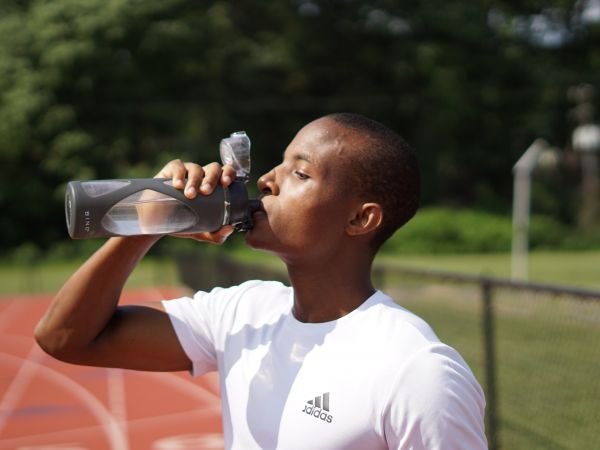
<point x="87" y="301"/>
<point x="83" y="325"/>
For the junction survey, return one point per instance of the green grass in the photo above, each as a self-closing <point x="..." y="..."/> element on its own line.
<point x="569" y="268"/>
<point x="548" y="366"/>
<point x="49" y="276"/>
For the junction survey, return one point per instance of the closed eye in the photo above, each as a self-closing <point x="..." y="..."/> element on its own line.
<point x="301" y="175"/>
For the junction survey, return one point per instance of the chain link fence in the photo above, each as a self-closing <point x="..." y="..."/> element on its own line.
<point x="535" y="349"/>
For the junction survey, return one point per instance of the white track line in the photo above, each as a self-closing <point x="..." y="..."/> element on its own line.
<point x="105" y="419"/>
<point x="73" y="433"/>
<point x="18" y="385"/>
<point x="115" y="385"/>
<point x="116" y="421"/>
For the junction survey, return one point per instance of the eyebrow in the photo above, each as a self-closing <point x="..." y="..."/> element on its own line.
<point x="302" y="157"/>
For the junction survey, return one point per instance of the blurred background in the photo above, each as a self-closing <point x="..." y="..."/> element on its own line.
<point x="116" y="88"/>
<point x="92" y="89"/>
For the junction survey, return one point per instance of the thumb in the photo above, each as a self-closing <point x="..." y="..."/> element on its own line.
<point x="222" y="235"/>
<point x="217" y="237"/>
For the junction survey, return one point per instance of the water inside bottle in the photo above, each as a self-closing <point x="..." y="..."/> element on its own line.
<point x="148" y="212"/>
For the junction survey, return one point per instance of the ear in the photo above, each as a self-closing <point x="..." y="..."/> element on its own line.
<point x="366" y="218"/>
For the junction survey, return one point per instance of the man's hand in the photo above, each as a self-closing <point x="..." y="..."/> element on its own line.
<point x="197" y="180"/>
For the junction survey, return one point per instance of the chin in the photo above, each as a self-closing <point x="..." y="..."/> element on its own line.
<point x="253" y="240"/>
<point x="260" y="234"/>
<point x="259" y="240"/>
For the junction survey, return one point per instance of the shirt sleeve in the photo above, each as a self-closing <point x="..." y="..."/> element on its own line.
<point x="202" y="321"/>
<point x="190" y="318"/>
<point x="435" y="404"/>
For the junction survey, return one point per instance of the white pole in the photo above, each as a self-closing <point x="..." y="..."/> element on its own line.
<point x="586" y="140"/>
<point x="521" y="209"/>
<point x="520" y="240"/>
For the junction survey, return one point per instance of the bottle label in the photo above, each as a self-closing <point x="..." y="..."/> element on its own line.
<point x="87" y="221"/>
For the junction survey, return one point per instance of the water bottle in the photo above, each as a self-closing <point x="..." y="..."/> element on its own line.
<point x="152" y="206"/>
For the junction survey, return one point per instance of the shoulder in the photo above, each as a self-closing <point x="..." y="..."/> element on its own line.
<point x="397" y="325"/>
<point x="432" y="393"/>
<point x="251" y="294"/>
<point x="437" y="372"/>
<point x="248" y="291"/>
<point x="252" y="300"/>
<point x="426" y="361"/>
<point x="436" y="399"/>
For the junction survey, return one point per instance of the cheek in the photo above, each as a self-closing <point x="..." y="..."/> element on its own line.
<point x="309" y="223"/>
<point x="300" y="219"/>
<point x="292" y="220"/>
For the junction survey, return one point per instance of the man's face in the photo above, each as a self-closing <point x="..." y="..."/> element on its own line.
<point x="308" y="201"/>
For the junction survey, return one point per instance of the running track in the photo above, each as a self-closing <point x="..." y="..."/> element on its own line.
<point x="49" y="405"/>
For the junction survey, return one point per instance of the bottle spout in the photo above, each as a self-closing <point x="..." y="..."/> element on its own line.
<point x="254" y="204"/>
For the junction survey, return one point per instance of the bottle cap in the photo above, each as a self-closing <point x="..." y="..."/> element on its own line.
<point x="235" y="151"/>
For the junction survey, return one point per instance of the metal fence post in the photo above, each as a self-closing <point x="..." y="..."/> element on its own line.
<point x="490" y="364"/>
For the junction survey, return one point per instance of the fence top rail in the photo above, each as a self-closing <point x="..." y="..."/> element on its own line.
<point x="491" y="281"/>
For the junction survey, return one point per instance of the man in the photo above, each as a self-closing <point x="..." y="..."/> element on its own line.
<point x="327" y="363"/>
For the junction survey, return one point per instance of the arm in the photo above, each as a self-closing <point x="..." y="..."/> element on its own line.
<point x="435" y="403"/>
<point x="85" y="325"/>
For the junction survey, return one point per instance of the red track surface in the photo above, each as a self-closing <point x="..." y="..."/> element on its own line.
<point x="46" y="404"/>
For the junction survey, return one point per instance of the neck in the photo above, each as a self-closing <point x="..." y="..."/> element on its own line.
<point x="328" y="290"/>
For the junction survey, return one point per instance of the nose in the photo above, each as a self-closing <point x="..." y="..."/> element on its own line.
<point x="268" y="183"/>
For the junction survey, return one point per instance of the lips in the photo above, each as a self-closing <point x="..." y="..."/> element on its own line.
<point x="255" y="205"/>
<point x="258" y="208"/>
<point x="261" y="207"/>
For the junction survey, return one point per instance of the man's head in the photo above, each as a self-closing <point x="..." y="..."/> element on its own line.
<point x="385" y="171"/>
<point x="344" y="179"/>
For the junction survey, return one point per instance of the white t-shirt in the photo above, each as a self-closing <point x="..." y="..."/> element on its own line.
<point x="376" y="378"/>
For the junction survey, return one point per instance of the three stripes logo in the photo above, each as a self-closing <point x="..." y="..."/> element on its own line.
<point x="319" y="408"/>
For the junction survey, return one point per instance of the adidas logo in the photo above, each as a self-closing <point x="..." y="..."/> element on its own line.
<point x="319" y="408"/>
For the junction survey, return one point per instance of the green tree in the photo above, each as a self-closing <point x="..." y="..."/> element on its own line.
<point x="99" y="89"/>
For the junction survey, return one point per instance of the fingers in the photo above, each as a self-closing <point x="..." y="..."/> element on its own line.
<point x="175" y="170"/>
<point x="212" y="174"/>
<point x="195" y="175"/>
<point x="203" y="180"/>
<point x="228" y="175"/>
<point x="217" y="237"/>
<point x="199" y="179"/>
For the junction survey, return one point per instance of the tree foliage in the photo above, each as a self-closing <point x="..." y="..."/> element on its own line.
<point x="115" y="88"/>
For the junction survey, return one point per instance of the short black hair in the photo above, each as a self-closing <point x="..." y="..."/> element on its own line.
<point x="386" y="172"/>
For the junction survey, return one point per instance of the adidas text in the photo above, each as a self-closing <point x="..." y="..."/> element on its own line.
<point x="318" y="413"/>
<point x="319" y="407"/>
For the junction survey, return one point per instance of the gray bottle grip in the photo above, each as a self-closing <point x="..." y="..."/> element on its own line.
<point x="84" y="213"/>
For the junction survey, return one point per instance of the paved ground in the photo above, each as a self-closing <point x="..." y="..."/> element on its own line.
<point x="46" y="404"/>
